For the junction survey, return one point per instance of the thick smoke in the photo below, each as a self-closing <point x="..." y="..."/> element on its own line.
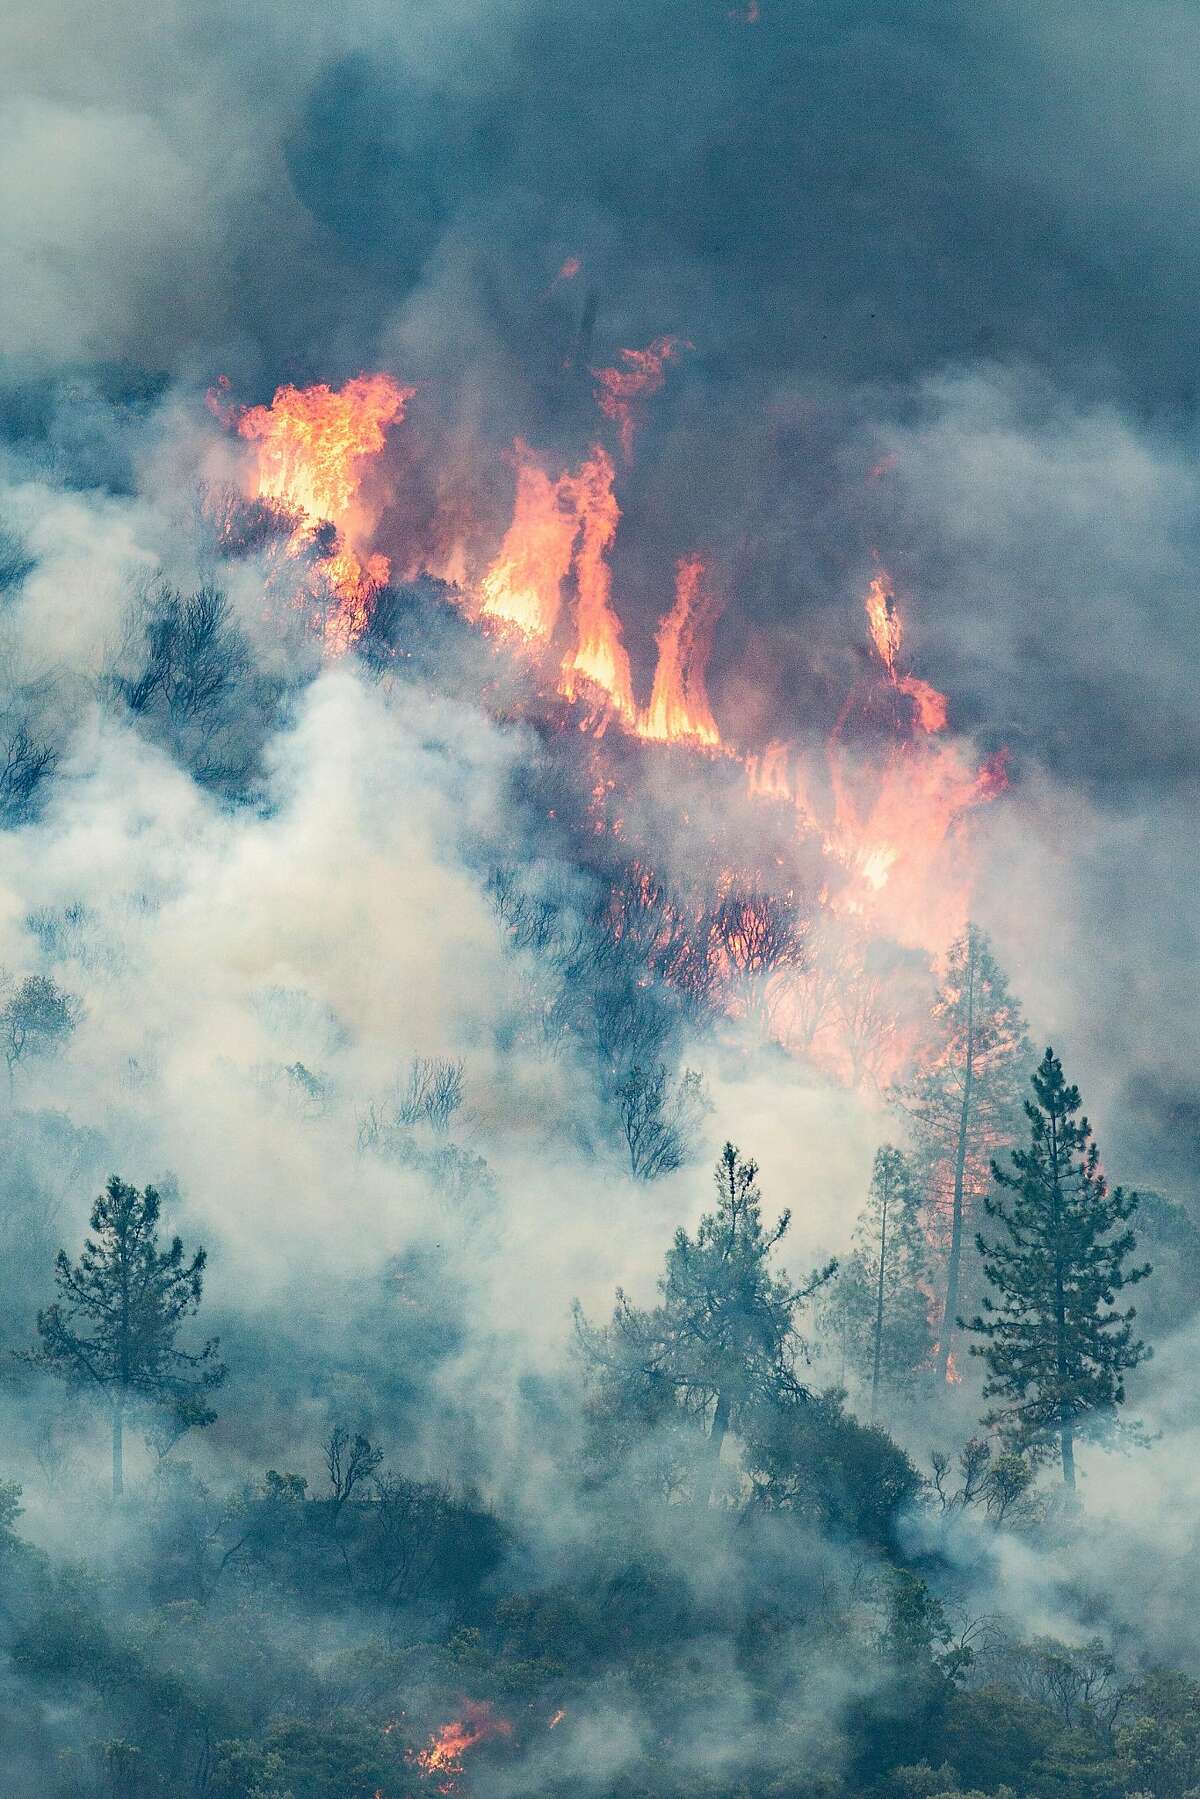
<point x="935" y="273"/>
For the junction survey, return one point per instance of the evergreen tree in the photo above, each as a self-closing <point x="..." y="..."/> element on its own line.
<point x="879" y="1304"/>
<point x="964" y="1103"/>
<point x="114" y="1328"/>
<point x="724" y="1336"/>
<point x="1056" y="1350"/>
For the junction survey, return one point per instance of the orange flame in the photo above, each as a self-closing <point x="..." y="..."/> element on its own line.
<point x="554" y="523"/>
<point x="679" y="710"/>
<point x="887" y="634"/>
<point x="599" y="655"/>
<point x="442" y="1758"/>
<point x="523" y="586"/>
<point x="313" y="448"/>
<point x="644" y="373"/>
<point x="887" y="629"/>
<point x="893" y="826"/>
<point x="890" y="826"/>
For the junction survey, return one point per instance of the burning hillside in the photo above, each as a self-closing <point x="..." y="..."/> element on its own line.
<point x="868" y="828"/>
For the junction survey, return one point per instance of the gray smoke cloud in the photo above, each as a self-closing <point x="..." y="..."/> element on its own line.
<point x="937" y="272"/>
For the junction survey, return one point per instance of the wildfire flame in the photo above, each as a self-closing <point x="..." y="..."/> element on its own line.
<point x="643" y="372"/>
<point x="599" y="655"/>
<point x="891" y="828"/>
<point x="679" y="711"/>
<point x="887" y="821"/>
<point x="314" y="446"/>
<point x="556" y="524"/>
<point x="883" y="616"/>
<point x="523" y="586"/>
<point x="442" y="1759"/>
<point x="887" y="634"/>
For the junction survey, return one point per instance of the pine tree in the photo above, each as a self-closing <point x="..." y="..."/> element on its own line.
<point x="724" y="1336"/>
<point x="965" y="1102"/>
<point x="122" y="1303"/>
<point x="879" y="1304"/>
<point x="1056" y="1350"/>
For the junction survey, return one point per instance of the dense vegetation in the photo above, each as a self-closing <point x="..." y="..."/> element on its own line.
<point x="729" y="1556"/>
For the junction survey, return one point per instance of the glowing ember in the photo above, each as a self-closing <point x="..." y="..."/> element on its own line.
<point x="442" y="1759"/>
<point x="679" y="711"/>
<point x="642" y="373"/>
<point x="570" y="269"/>
<point x="314" y="445"/>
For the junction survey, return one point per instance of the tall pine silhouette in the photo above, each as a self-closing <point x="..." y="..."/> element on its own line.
<point x="114" y="1327"/>
<point x="965" y="1101"/>
<point x="1056" y="1348"/>
<point x="877" y="1306"/>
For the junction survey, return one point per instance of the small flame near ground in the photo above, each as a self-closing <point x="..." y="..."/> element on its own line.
<point x="441" y="1761"/>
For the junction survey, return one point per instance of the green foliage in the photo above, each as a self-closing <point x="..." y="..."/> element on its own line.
<point x="1161" y="1742"/>
<point x="1056" y="1350"/>
<point x="10" y="1510"/>
<point x="244" y="1770"/>
<point x="1000" y="1486"/>
<point x="347" y="1758"/>
<point x="724" y="1337"/>
<point x="813" y="1460"/>
<point x="992" y="1736"/>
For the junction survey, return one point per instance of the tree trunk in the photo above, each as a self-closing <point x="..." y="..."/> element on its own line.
<point x="716" y="1440"/>
<point x="953" y="1266"/>
<point x="118" y="1450"/>
<point x="879" y="1302"/>
<point x="1067" y="1443"/>
<point x="1066" y="1434"/>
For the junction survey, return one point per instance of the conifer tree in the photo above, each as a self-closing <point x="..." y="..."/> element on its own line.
<point x="1056" y="1349"/>
<point x="965" y="1102"/>
<point x="114" y="1328"/>
<point x="879" y="1303"/>
<point x="724" y="1336"/>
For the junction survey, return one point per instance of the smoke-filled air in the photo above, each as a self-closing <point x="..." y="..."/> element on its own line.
<point x="599" y="760"/>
